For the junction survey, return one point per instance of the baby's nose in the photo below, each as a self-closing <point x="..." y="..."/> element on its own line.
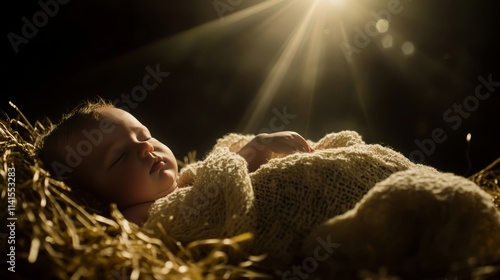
<point x="146" y="149"/>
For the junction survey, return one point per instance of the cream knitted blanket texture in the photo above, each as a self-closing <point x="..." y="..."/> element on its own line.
<point x="282" y="201"/>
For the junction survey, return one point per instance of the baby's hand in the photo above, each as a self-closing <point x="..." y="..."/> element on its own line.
<point x="259" y="150"/>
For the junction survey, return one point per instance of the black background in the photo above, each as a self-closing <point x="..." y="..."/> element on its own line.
<point x="217" y="67"/>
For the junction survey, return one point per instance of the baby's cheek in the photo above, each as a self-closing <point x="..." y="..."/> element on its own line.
<point x="132" y="180"/>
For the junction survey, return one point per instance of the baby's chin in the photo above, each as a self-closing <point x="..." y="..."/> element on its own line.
<point x="170" y="185"/>
<point x="170" y="178"/>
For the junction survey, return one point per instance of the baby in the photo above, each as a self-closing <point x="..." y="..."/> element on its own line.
<point x="279" y="186"/>
<point x="126" y="165"/>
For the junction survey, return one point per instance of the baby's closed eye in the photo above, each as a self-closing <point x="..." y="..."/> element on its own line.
<point x="118" y="159"/>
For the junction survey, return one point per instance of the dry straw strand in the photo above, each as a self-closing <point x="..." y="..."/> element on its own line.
<point x="57" y="237"/>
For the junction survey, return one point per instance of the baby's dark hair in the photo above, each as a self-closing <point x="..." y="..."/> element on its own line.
<point x="50" y="147"/>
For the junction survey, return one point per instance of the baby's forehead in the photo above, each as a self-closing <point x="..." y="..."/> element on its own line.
<point x="111" y="123"/>
<point x="104" y="126"/>
<point x="117" y="116"/>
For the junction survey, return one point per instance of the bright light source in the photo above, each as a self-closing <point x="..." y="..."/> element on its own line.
<point x="338" y="3"/>
<point x="469" y="136"/>
<point x="382" y="25"/>
<point x="408" y="48"/>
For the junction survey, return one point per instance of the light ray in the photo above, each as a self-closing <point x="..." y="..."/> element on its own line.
<point x="359" y="83"/>
<point x="262" y="28"/>
<point x="177" y="47"/>
<point x="216" y="28"/>
<point x="312" y="62"/>
<point x="270" y="86"/>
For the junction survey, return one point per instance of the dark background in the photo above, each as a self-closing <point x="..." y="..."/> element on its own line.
<point x="217" y="68"/>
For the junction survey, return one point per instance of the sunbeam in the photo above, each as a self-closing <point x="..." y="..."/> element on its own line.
<point x="306" y="43"/>
<point x="312" y="63"/>
<point x="270" y="86"/>
<point x="291" y="49"/>
<point x="359" y="85"/>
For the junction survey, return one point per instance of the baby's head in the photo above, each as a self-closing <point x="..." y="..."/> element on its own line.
<point x="107" y="152"/>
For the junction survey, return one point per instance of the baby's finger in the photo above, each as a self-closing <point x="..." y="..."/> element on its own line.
<point x="282" y="146"/>
<point x="289" y="143"/>
<point x="300" y="144"/>
<point x="286" y="142"/>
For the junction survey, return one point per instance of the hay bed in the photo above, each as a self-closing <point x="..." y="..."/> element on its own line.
<point x="57" y="237"/>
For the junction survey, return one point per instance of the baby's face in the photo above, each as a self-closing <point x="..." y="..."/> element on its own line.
<point x="128" y="167"/>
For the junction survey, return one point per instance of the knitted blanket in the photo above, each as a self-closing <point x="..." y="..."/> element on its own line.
<point x="281" y="202"/>
<point x="417" y="225"/>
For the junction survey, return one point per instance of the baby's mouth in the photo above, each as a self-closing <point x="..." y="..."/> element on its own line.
<point x="157" y="165"/>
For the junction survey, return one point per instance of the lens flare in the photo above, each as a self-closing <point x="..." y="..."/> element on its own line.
<point x="382" y="25"/>
<point x="408" y="48"/>
<point x="387" y="41"/>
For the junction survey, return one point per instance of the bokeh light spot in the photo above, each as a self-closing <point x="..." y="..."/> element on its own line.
<point x="408" y="48"/>
<point x="382" y="25"/>
<point x="387" y="41"/>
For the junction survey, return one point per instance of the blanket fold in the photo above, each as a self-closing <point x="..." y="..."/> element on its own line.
<point x="282" y="201"/>
<point x="416" y="224"/>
